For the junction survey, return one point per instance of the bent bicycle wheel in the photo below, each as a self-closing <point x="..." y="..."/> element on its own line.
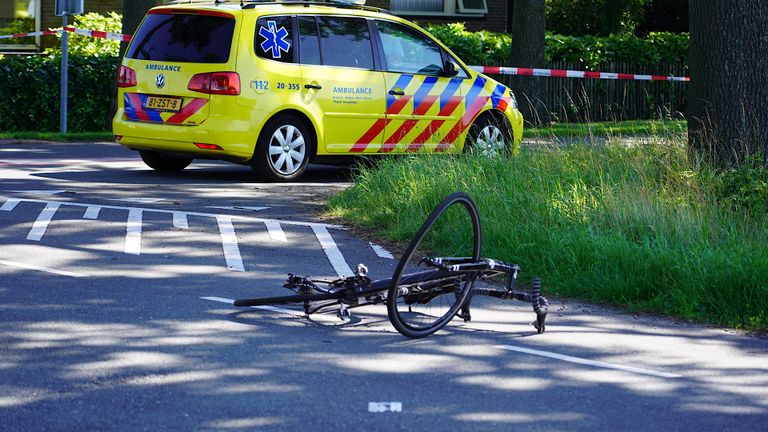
<point x="421" y="303"/>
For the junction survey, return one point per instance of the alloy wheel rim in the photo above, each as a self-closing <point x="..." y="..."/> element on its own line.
<point x="287" y="150"/>
<point x="490" y="141"/>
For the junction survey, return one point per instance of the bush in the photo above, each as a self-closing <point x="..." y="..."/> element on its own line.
<point x="88" y="46"/>
<point x="476" y="48"/>
<point x="487" y="48"/>
<point x="30" y="86"/>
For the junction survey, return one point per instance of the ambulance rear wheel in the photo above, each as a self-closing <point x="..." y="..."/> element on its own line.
<point x="164" y="162"/>
<point x="283" y="150"/>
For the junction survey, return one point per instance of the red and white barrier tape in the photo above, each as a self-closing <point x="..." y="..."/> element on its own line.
<point x="82" y="32"/>
<point x="562" y="73"/>
<point x="40" y="33"/>
<point x="495" y="70"/>
<point x="99" y="34"/>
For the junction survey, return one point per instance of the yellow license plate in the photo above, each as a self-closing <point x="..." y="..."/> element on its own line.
<point x="163" y="104"/>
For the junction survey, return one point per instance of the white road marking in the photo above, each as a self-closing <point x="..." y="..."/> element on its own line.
<point x="138" y="200"/>
<point x="180" y="220"/>
<point x="380" y="407"/>
<point x="275" y="231"/>
<point x="268" y="308"/>
<point x="39" y="192"/>
<point x="229" y="239"/>
<point x="213" y="215"/>
<point x="582" y="361"/>
<point x="92" y="212"/>
<point x="10" y="204"/>
<point x="43" y="269"/>
<point x="133" y="232"/>
<point x="254" y="209"/>
<point x="381" y="252"/>
<point x="41" y="224"/>
<point x="332" y="251"/>
<point x="229" y="243"/>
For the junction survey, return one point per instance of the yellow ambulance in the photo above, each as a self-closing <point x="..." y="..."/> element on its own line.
<point x="277" y="85"/>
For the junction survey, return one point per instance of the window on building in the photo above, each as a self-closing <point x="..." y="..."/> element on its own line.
<point x="19" y="16"/>
<point x="439" y="7"/>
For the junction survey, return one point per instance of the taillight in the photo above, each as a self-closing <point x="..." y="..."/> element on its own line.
<point x="224" y="83"/>
<point x="208" y="146"/>
<point x="126" y="77"/>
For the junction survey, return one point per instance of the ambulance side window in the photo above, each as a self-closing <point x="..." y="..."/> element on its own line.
<point x="408" y="51"/>
<point x="309" y="42"/>
<point x="345" y="41"/>
<point x="273" y="38"/>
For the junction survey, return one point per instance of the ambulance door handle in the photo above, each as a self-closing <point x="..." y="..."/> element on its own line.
<point x="313" y="86"/>
<point x="397" y="93"/>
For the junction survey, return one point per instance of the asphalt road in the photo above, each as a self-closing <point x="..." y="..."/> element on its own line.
<point x="114" y="315"/>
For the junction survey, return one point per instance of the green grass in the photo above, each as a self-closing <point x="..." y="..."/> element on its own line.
<point x="610" y="129"/>
<point x="56" y="136"/>
<point x="643" y="226"/>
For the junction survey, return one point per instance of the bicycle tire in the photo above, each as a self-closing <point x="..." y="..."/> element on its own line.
<point x="400" y="309"/>
<point x="296" y="298"/>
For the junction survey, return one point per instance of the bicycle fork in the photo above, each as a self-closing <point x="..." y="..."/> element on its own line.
<point x="534" y="297"/>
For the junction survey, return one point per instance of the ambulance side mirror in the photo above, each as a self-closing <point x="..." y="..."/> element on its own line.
<point x="449" y="69"/>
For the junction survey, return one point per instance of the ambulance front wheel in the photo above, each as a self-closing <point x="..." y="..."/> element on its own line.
<point x="283" y="150"/>
<point x="490" y="136"/>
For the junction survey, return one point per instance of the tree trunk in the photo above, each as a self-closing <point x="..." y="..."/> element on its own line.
<point x="728" y="94"/>
<point x="528" y="52"/>
<point x="133" y="13"/>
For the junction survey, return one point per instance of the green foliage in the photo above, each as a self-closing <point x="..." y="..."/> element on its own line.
<point x="593" y="50"/>
<point x="481" y="47"/>
<point x="488" y="48"/>
<point x="88" y="46"/>
<point x="746" y="186"/>
<point x="593" y="17"/>
<point x="641" y="226"/>
<point x="30" y="87"/>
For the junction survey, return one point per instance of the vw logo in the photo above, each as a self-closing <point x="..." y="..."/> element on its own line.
<point x="160" y="81"/>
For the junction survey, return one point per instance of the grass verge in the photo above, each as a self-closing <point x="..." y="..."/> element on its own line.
<point x="644" y="227"/>
<point x="656" y="128"/>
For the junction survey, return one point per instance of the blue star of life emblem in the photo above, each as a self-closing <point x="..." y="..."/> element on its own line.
<point x="275" y="39"/>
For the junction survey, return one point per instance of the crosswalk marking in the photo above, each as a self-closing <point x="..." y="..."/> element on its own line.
<point x="229" y="244"/>
<point x="133" y="232"/>
<point x="230" y="247"/>
<point x="10" y="204"/>
<point x="180" y="220"/>
<point x="41" y="224"/>
<point x="92" y="212"/>
<point x="276" y="231"/>
<point x="332" y="251"/>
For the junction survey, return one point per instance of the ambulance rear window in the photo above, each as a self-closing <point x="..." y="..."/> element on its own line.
<point x="181" y="37"/>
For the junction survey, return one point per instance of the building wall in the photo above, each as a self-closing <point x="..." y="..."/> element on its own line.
<point x="495" y="20"/>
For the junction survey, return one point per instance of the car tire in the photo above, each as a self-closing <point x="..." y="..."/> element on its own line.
<point x="163" y="162"/>
<point x="489" y="136"/>
<point x="284" y="148"/>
